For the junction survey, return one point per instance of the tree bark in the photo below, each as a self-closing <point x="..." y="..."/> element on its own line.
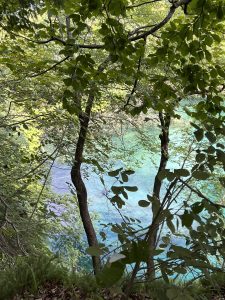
<point x="79" y="183"/>
<point x="76" y="177"/>
<point x="153" y="230"/>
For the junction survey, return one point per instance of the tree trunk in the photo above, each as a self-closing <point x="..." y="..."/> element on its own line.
<point x="76" y="176"/>
<point x="79" y="184"/>
<point x="153" y="230"/>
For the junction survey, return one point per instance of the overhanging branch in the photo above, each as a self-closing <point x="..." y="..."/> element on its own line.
<point x="101" y="46"/>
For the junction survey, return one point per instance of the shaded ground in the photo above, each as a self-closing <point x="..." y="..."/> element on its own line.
<point x="56" y="291"/>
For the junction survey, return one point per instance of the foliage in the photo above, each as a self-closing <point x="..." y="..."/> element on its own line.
<point x="98" y="60"/>
<point x="28" y="273"/>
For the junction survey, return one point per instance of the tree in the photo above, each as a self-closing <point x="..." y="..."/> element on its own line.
<point x="98" y="46"/>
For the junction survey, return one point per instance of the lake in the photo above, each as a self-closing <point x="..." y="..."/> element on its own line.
<point x="142" y="158"/>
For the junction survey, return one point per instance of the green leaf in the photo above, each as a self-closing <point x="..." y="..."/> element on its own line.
<point x="217" y="38"/>
<point x="210" y="150"/>
<point x="116" y="199"/>
<point x="197" y="207"/>
<point x="171" y="176"/>
<point x="220" y="71"/>
<point x="70" y="107"/>
<point x="201" y="175"/>
<point x="110" y="274"/>
<point x="137" y="252"/>
<point x="131" y="188"/>
<point x="208" y="55"/>
<point x="143" y="203"/>
<point x="129" y="172"/>
<point x="103" y="235"/>
<point x="94" y="251"/>
<point x="220" y="145"/>
<point x="198" y="264"/>
<point x="208" y="40"/>
<point x="210" y="136"/>
<point x="94" y="4"/>
<point x="124" y="176"/>
<point x="195" y="126"/>
<point x="67" y="81"/>
<point x="163" y="174"/>
<point x="115" y="172"/>
<point x="117" y="189"/>
<point x="220" y="155"/>
<point x="96" y="164"/>
<point x="181" y="251"/>
<point x="116" y="7"/>
<point x="125" y="194"/>
<point x="199" y="134"/>
<point x="164" y="275"/>
<point x="181" y="172"/>
<point x="68" y="94"/>
<point x="187" y="219"/>
<point x="200" y="157"/>
<point x="170" y="225"/>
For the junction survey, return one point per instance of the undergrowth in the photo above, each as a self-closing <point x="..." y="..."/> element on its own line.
<point x="29" y="274"/>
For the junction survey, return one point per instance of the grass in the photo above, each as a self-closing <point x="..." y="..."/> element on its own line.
<point x="30" y="275"/>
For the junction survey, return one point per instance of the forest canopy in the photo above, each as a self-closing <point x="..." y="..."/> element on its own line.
<point x="128" y="97"/>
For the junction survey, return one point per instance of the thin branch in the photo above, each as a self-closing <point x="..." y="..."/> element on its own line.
<point x="136" y="30"/>
<point x="39" y="165"/>
<point x="160" y="24"/>
<point x="5" y="212"/>
<point x="101" y="46"/>
<point x="42" y="189"/>
<point x="54" y="39"/>
<point x="23" y="121"/>
<point x="135" y="83"/>
<point x="6" y="220"/>
<point x="141" y="4"/>
<point x="49" y="69"/>
<point x="46" y="178"/>
<point x="17" y="235"/>
<point x="9" y="109"/>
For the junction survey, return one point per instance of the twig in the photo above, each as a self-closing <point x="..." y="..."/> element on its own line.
<point x="141" y="4"/>
<point x="49" y="69"/>
<point x="23" y="121"/>
<point x="45" y="181"/>
<point x="101" y="46"/>
<point x="135" y="83"/>
<point x="39" y="165"/>
<point x="160" y="24"/>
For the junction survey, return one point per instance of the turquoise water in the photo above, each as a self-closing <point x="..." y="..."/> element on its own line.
<point x="142" y="155"/>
